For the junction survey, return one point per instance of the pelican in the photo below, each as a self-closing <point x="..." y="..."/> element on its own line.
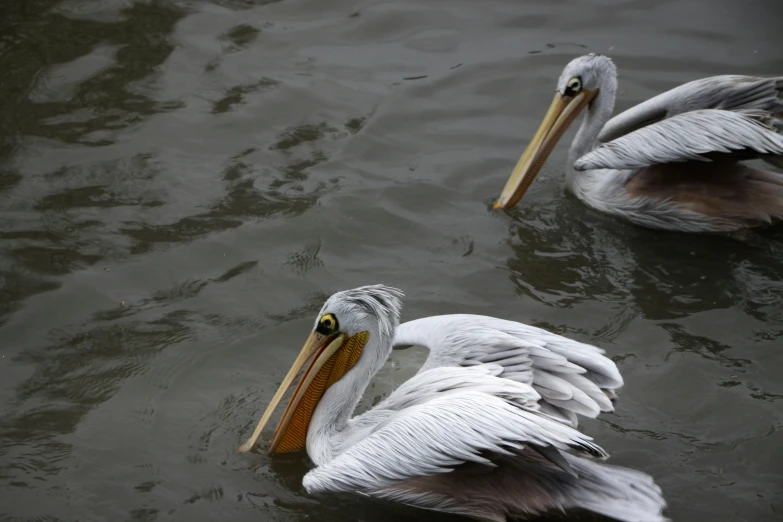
<point x="469" y="434"/>
<point x="671" y="162"/>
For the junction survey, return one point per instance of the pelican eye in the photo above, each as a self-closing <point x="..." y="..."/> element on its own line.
<point x="327" y="324"/>
<point x="573" y="86"/>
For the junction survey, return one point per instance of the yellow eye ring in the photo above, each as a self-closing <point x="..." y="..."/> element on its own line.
<point x="574" y="84"/>
<point x="327" y="324"/>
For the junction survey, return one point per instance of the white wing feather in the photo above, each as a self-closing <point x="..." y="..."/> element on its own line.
<point x="434" y="437"/>
<point x="727" y="92"/>
<point x="571" y="377"/>
<point x="687" y="137"/>
<point x="428" y="384"/>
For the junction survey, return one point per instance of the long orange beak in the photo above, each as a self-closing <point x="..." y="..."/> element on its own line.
<point x="332" y="356"/>
<point x="561" y="114"/>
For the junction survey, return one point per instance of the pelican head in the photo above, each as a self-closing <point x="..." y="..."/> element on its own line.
<point x="353" y="331"/>
<point x="581" y="81"/>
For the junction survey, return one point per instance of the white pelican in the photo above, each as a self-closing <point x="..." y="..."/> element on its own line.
<point x="465" y="435"/>
<point x="671" y="162"/>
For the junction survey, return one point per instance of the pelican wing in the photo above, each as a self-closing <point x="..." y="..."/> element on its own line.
<point x="691" y="136"/>
<point x="728" y="92"/>
<point x="429" y="384"/>
<point x="433" y="382"/>
<point x="570" y="377"/>
<point x="437" y="436"/>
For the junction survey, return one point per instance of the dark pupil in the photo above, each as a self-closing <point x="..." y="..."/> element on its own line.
<point x="327" y="322"/>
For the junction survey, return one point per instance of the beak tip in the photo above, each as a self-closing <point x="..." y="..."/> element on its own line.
<point x="497" y="206"/>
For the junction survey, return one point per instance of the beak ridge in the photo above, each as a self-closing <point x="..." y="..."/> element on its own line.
<point x="314" y="343"/>
<point x="561" y="114"/>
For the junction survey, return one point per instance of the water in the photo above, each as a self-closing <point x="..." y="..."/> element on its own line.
<point x="182" y="184"/>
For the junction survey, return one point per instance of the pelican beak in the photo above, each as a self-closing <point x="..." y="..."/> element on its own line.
<point x="332" y="356"/>
<point x="561" y="114"/>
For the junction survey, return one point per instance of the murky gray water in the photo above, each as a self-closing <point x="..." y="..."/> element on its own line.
<point x="183" y="183"/>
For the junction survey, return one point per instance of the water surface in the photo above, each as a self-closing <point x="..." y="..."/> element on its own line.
<point x="182" y="184"/>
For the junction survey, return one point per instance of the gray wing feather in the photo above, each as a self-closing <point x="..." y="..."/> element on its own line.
<point x="434" y="437"/>
<point x="563" y="414"/>
<point x="437" y="382"/>
<point x="591" y="389"/>
<point x="599" y="369"/>
<point x="687" y="137"/>
<point x="552" y="387"/>
<point x="727" y="92"/>
<point x="432" y="383"/>
<point x="558" y="364"/>
<point x="556" y="367"/>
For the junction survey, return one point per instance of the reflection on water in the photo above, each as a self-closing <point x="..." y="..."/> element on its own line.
<point x="183" y="183"/>
<point x="571" y="253"/>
